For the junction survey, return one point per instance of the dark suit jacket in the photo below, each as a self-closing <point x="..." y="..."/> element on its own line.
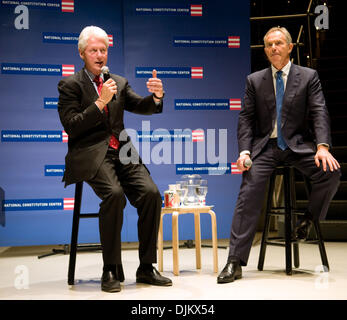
<point x="89" y="129"/>
<point x="305" y="119"/>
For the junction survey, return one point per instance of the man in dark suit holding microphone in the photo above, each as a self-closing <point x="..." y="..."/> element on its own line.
<point x="283" y="119"/>
<point x="91" y="107"/>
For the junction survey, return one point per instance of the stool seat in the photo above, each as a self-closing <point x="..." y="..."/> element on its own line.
<point x="175" y="213"/>
<point x="290" y="213"/>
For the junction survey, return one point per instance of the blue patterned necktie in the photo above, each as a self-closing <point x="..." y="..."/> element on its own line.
<point x="279" y="99"/>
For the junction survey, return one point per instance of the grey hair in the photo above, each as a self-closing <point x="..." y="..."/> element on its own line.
<point x="280" y="29"/>
<point x="89" y="31"/>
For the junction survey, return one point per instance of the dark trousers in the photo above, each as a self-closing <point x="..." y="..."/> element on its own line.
<point x="253" y="187"/>
<point x="114" y="182"/>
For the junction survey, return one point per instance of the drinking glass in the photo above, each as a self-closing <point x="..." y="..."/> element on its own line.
<point x="182" y="192"/>
<point x="201" y="192"/>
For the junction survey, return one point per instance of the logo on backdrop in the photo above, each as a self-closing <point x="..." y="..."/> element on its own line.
<point x="55" y="5"/>
<point x="38" y="204"/>
<point x="66" y="38"/>
<point x="193" y="10"/>
<point x="224" y="42"/>
<point x="50" y="103"/>
<point x="207" y="104"/>
<point x="64" y="70"/>
<point x="53" y="170"/>
<point x="33" y="136"/>
<point x="170" y="72"/>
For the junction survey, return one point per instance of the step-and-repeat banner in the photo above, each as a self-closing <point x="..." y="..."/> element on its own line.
<point x="200" y="50"/>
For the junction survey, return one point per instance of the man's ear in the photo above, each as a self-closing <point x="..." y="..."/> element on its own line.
<point x="81" y="54"/>
<point x="291" y="45"/>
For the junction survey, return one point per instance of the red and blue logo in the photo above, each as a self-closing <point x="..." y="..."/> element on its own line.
<point x="171" y="72"/>
<point x="64" y="70"/>
<point x="33" y="136"/>
<point x="38" y="204"/>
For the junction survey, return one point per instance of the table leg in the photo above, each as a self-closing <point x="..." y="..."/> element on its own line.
<point x="175" y="242"/>
<point x="160" y="244"/>
<point x="214" y="240"/>
<point x="197" y="239"/>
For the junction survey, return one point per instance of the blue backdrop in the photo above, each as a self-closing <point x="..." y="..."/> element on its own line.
<point x="201" y="51"/>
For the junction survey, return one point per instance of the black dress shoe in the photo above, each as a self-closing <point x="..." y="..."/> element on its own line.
<point x="109" y="282"/>
<point x="232" y="271"/>
<point x="151" y="275"/>
<point x="302" y="230"/>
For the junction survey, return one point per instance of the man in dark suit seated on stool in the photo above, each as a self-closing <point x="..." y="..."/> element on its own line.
<point x="91" y="107"/>
<point x="283" y="119"/>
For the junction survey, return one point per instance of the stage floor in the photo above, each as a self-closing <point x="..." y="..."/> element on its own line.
<point x="24" y="276"/>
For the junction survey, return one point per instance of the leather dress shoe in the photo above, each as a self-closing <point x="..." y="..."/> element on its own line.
<point x="232" y="271"/>
<point x="151" y="275"/>
<point x="302" y="230"/>
<point x="109" y="282"/>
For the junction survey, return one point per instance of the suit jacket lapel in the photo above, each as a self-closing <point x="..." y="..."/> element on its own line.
<point x="292" y="85"/>
<point x="269" y="94"/>
<point x="90" y="90"/>
<point x="88" y="86"/>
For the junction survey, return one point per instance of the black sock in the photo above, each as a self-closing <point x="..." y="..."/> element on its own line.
<point x="145" y="266"/>
<point x="110" y="267"/>
<point x="233" y="259"/>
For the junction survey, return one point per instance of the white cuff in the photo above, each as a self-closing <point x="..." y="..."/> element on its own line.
<point x="245" y="152"/>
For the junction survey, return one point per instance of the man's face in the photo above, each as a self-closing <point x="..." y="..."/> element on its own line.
<point x="277" y="49"/>
<point x="95" y="55"/>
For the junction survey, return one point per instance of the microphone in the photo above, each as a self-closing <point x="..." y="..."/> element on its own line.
<point x="247" y="163"/>
<point x="106" y="72"/>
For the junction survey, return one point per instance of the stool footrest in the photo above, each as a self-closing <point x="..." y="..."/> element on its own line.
<point x="279" y="241"/>
<point x="281" y="211"/>
<point x="89" y="215"/>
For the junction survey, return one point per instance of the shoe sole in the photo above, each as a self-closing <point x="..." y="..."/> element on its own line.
<point x="229" y="281"/>
<point x="169" y="284"/>
<point x="111" y="291"/>
<point x="105" y="289"/>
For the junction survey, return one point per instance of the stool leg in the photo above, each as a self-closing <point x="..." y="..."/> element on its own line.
<point x="266" y="223"/>
<point x="175" y="242"/>
<point x="197" y="239"/>
<point x="296" y="255"/>
<point x="322" y="251"/>
<point x="294" y="217"/>
<point x="74" y="233"/>
<point x="214" y="240"/>
<point x="288" y="221"/>
<point x="160" y="244"/>
<point x="295" y="245"/>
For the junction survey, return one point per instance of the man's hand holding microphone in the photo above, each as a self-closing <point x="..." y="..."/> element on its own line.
<point x="244" y="162"/>
<point x="108" y="90"/>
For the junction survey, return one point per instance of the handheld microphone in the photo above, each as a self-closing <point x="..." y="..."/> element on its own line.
<point x="247" y="163"/>
<point x="106" y="72"/>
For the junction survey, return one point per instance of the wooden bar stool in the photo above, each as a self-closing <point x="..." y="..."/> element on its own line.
<point x="289" y="211"/>
<point x="175" y="213"/>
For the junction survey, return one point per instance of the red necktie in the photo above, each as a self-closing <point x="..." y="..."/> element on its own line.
<point x="114" y="143"/>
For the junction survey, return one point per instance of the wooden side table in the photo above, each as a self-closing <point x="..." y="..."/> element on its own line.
<point x="175" y="213"/>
